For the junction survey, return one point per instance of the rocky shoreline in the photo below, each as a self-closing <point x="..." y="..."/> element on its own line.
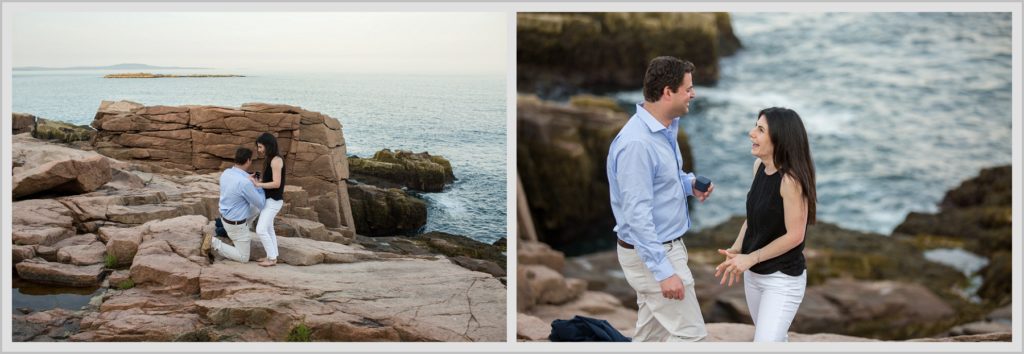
<point x="860" y="286"/>
<point x="124" y="210"/>
<point x="161" y="76"/>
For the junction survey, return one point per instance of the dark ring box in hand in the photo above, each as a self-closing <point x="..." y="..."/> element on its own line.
<point x="702" y="183"/>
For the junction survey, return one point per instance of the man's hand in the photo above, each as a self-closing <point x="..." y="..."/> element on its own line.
<point x="672" y="288"/>
<point x="703" y="195"/>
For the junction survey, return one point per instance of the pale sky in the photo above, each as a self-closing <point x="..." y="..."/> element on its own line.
<point x="350" y="42"/>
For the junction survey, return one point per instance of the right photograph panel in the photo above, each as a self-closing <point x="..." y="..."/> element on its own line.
<point x="764" y="176"/>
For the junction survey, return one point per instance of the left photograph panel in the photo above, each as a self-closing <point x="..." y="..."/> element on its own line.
<point x="258" y="177"/>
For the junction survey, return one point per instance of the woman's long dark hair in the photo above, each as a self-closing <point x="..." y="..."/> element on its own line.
<point x="792" y="152"/>
<point x="270" y="151"/>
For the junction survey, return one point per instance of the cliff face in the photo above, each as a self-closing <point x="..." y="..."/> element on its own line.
<point x="559" y="54"/>
<point x="561" y="157"/>
<point x="203" y="139"/>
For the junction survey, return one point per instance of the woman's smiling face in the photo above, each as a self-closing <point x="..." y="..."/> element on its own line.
<point x="761" y="141"/>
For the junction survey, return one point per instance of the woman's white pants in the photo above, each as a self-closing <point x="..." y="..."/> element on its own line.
<point x="773" y="300"/>
<point x="265" y="227"/>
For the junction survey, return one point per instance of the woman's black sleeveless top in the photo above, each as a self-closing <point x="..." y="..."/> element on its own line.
<point x="268" y="175"/>
<point x="766" y="222"/>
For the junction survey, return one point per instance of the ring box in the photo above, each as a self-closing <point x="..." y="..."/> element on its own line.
<point x="702" y="183"/>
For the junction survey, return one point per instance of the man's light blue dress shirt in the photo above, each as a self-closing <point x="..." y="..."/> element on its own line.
<point x="236" y="194"/>
<point x="649" y="188"/>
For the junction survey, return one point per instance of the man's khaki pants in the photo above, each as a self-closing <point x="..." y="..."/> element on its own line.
<point x="240" y="236"/>
<point x="660" y="319"/>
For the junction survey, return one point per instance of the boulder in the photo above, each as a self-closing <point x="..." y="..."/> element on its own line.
<point x="65" y="177"/>
<point x="20" y="253"/>
<point x="166" y="272"/>
<point x="122" y="243"/>
<point x="418" y="171"/>
<point x="303" y="228"/>
<point x="82" y="254"/>
<point x="549" y="287"/>
<point x="49" y="253"/>
<point x="44" y="272"/>
<point x="22" y="123"/>
<point x="540" y="253"/>
<point x="531" y="328"/>
<point x="120" y="279"/>
<point x="560" y="53"/>
<point x="40" y="222"/>
<point x="382" y="212"/>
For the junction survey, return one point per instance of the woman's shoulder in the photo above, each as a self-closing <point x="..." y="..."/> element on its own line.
<point x="757" y="163"/>
<point x="790" y="185"/>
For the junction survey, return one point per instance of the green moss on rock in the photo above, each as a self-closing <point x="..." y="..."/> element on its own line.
<point x="418" y="171"/>
<point x="66" y="133"/>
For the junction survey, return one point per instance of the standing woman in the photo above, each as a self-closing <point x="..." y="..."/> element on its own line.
<point x="768" y="251"/>
<point x="272" y="182"/>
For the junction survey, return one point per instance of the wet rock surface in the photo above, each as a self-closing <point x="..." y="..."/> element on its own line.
<point x="385" y="212"/>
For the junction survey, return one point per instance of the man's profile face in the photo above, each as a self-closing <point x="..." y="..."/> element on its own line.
<point x="682" y="97"/>
<point x="248" y="163"/>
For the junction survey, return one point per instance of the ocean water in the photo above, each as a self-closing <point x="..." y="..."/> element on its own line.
<point x="899" y="108"/>
<point x="459" y="117"/>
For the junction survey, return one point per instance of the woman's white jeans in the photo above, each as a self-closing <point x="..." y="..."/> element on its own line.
<point x="773" y="300"/>
<point x="265" y="226"/>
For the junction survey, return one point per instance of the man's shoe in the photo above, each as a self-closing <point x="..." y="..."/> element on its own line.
<point x="204" y="247"/>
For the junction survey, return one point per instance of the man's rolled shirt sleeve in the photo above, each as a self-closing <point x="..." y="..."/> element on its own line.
<point x="635" y="176"/>
<point x="687" y="179"/>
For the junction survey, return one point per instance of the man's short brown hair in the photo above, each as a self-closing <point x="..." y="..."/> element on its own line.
<point x="664" y="71"/>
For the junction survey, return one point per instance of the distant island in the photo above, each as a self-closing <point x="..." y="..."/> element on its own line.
<point x="159" y="76"/>
<point x="125" y="66"/>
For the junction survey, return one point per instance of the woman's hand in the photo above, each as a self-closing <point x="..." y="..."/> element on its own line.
<point x="728" y="253"/>
<point x="734" y="266"/>
<point x="254" y="181"/>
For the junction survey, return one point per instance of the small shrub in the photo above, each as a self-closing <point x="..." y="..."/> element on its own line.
<point x="127" y="284"/>
<point x="300" y="333"/>
<point x="110" y="261"/>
